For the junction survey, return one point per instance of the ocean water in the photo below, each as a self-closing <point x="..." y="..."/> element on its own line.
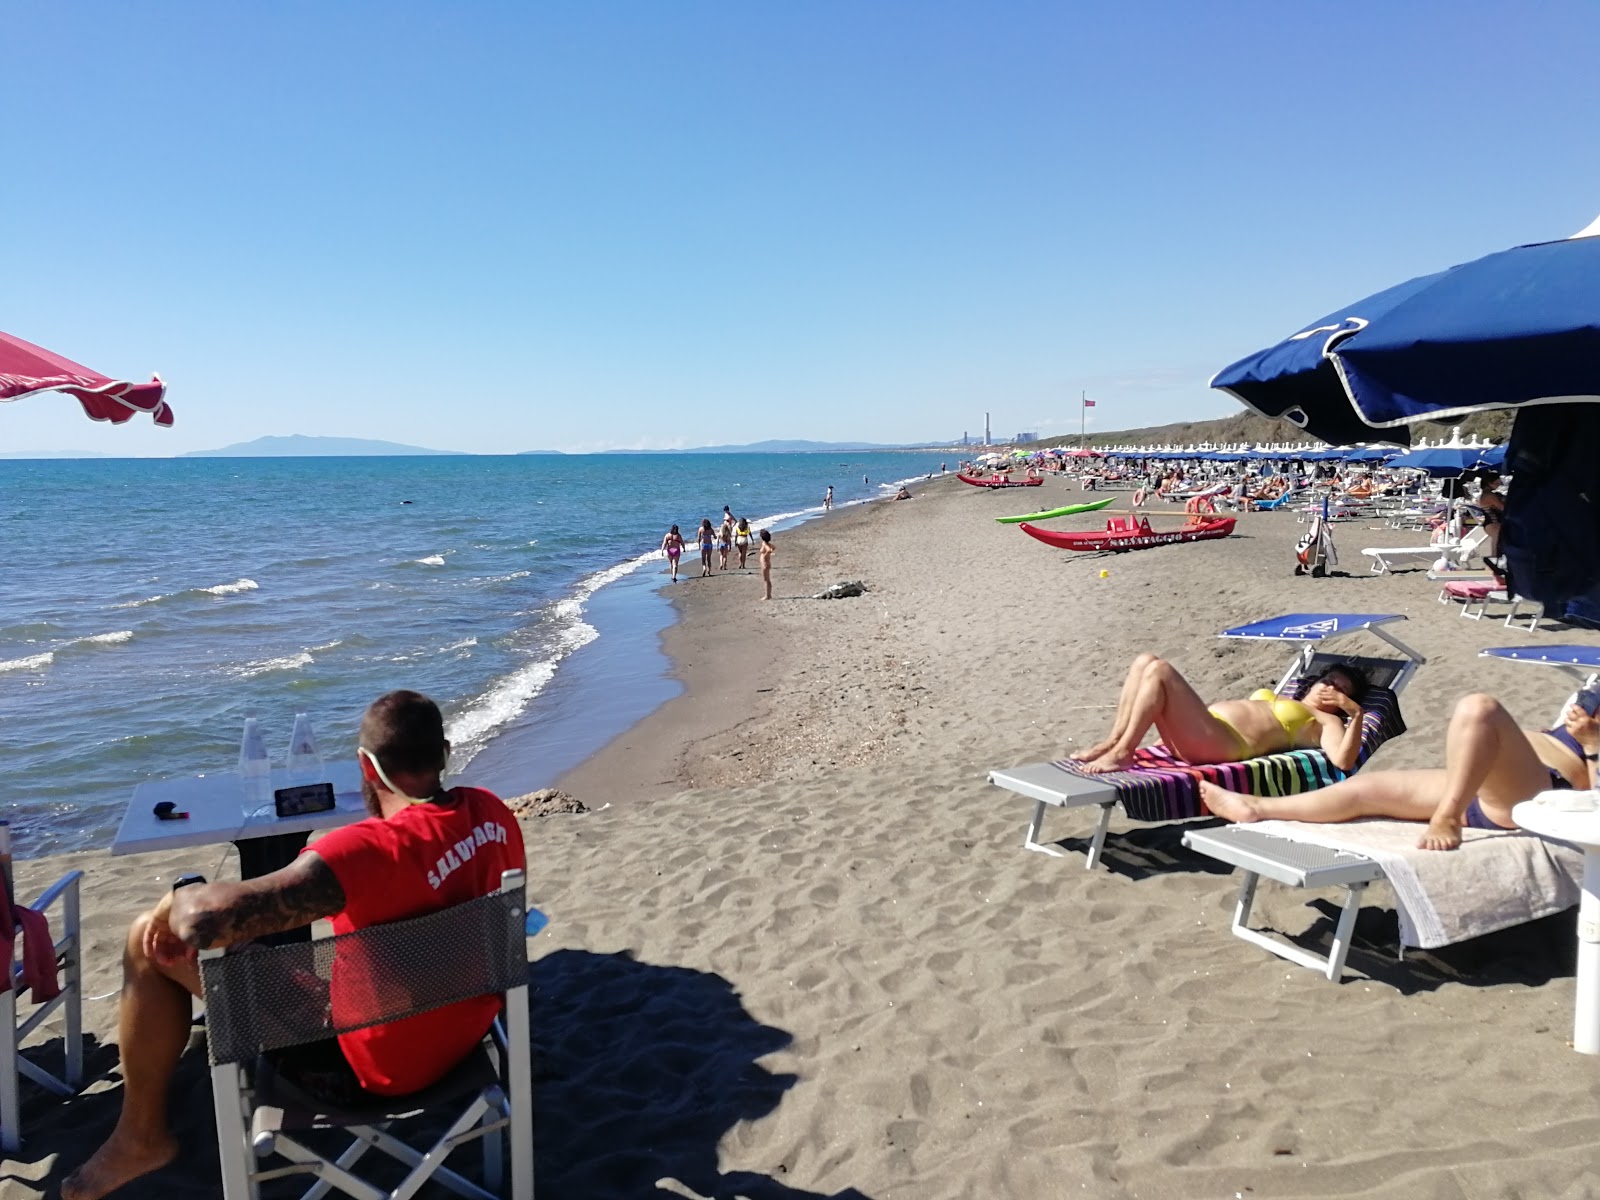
<point x="148" y="604"/>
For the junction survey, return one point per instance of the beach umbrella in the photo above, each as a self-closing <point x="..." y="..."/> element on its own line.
<point x="26" y="369"/>
<point x="1442" y="461"/>
<point x="1516" y="328"/>
<point x="1369" y="454"/>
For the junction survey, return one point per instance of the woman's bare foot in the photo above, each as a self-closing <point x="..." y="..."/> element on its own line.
<point x="117" y="1162"/>
<point x="1112" y="760"/>
<point x="1442" y="834"/>
<point x="1230" y="806"/>
<point x="1098" y="750"/>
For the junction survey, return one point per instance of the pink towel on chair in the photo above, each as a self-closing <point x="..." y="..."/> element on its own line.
<point x="38" y="952"/>
<point x="1473" y="589"/>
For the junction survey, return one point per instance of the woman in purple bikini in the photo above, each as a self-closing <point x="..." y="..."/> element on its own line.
<point x="1490" y="765"/>
<point x="672" y="546"/>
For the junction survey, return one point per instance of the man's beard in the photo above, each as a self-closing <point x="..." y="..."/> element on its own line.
<point x="369" y="795"/>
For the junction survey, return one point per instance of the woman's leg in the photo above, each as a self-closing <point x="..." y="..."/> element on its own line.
<point x="1119" y="723"/>
<point x="1486" y="755"/>
<point x="1165" y="700"/>
<point x="1402" y="795"/>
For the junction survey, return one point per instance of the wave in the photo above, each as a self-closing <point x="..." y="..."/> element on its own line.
<point x="100" y="639"/>
<point x="220" y="589"/>
<point x="288" y="662"/>
<point x="452" y="648"/>
<point x="34" y="662"/>
<point x="433" y="560"/>
<point x="503" y="578"/>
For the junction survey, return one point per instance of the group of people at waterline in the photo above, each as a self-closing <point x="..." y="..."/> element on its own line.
<point x="734" y="535"/>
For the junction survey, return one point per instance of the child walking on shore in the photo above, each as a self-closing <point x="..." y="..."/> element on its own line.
<point x="766" y="563"/>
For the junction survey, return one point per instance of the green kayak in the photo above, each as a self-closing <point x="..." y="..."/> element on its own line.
<point x="1058" y="512"/>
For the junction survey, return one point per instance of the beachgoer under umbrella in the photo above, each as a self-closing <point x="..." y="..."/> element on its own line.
<point x="741" y="539"/>
<point x="672" y="547"/>
<point x="1490" y="765"/>
<point x="1326" y="713"/>
<point x="708" y="542"/>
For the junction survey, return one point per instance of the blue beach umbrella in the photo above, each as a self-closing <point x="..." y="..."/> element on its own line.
<point x="1439" y="461"/>
<point x="1516" y="328"/>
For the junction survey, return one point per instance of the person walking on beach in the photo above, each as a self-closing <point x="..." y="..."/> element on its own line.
<point x="708" y="540"/>
<point x="741" y="539"/>
<point x="766" y="563"/>
<point x="378" y="870"/>
<point x="827" y="498"/>
<point x="672" y="546"/>
<point x="725" y="538"/>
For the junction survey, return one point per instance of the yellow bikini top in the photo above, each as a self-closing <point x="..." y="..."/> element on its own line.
<point x="1291" y="714"/>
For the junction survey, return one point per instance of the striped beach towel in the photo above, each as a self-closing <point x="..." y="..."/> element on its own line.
<point x="1162" y="787"/>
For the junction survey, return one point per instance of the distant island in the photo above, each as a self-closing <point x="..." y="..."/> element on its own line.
<point x="52" y="454"/>
<point x="781" y="447"/>
<point x="298" y="445"/>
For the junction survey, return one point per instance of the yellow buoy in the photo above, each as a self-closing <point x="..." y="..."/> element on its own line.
<point x="1105" y="574"/>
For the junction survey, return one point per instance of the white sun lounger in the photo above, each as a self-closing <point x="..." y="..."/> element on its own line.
<point x="1306" y="865"/>
<point x="1051" y="784"/>
<point x="1386" y="558"/>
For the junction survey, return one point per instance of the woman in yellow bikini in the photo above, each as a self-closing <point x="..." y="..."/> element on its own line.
<point x="1325" y="714"/>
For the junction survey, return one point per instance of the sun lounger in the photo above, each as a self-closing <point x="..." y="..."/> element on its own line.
<point x="1163" y="788"/>
<point x="1362" y="852"/>
<point x="1458" y="552"/>
<point x="1496" y="880"/>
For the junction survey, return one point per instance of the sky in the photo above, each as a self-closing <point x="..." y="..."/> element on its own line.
<point x="496" y="227"/>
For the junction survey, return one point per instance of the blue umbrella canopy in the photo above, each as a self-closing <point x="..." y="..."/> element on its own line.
<point x="1449" y="460"/>
<point x="1516" y="328"/>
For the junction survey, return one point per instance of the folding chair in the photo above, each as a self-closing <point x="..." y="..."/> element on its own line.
<point x="1161" y="787"/>
<point x="69" y="962"/>
<point x="262" y="999"/>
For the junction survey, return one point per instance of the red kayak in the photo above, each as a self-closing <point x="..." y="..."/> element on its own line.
<point x="1000" y="483"/>
<point x="1123" y="533"/>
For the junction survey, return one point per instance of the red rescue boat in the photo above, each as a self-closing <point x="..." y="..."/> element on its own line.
<point x="1124" y="533"/>
<point x="1001" y="483"/>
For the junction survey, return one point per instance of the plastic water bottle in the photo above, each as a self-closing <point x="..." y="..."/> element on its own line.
<point x="305" y="760"/>
<point x="255" y="769"/>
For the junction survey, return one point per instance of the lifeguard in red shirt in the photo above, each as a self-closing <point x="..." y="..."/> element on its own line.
<point x="423" y="848"/>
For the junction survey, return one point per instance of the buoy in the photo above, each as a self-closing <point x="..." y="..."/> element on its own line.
<point x="1105" y="574"/>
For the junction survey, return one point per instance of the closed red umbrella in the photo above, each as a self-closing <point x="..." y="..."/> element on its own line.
<point x="26" y="369"/>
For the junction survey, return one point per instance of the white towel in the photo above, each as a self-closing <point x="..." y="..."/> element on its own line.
<point x="1494" y="881"/>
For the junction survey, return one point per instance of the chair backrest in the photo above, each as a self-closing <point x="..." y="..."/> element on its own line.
<point x="267" y="997"/>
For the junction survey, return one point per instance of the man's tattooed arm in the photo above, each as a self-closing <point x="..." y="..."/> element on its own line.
<point x="222" y="914"/>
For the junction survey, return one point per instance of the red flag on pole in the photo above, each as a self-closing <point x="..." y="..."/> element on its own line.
<point x="1088" y="403"/>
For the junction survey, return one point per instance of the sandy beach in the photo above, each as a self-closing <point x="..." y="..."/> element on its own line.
<point x="798" y="951"/>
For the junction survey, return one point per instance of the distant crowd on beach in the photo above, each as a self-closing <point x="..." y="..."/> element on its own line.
<point x="733" y="536"/>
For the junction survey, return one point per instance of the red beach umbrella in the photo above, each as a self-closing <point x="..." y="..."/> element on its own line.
<point x="26" y="369"/>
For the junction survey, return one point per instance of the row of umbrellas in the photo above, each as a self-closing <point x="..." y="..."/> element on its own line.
<point x="1436" y="460"/>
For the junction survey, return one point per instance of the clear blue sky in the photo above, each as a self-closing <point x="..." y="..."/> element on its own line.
<point x="498" y="227"/>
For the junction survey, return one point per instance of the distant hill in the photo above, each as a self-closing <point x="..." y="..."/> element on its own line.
<point x="298" y="445"/>
<point x="775" y="447"/>
<point x="521" y="453"/>
<point x="1253" y="427"/>
<point x="52" y="454"/>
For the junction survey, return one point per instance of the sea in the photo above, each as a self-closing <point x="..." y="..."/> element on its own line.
<point x="149" y="605"/>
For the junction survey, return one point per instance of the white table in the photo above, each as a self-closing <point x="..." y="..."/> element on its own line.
<point x="1581" y="829"/>
<point x="216" y="808"/>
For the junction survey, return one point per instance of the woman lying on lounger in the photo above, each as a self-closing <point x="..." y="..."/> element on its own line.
<point x="1490" y="764"/>
<point x="1324" y="713"/>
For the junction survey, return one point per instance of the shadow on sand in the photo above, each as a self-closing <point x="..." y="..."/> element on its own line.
<point x="639" y="1072"/>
